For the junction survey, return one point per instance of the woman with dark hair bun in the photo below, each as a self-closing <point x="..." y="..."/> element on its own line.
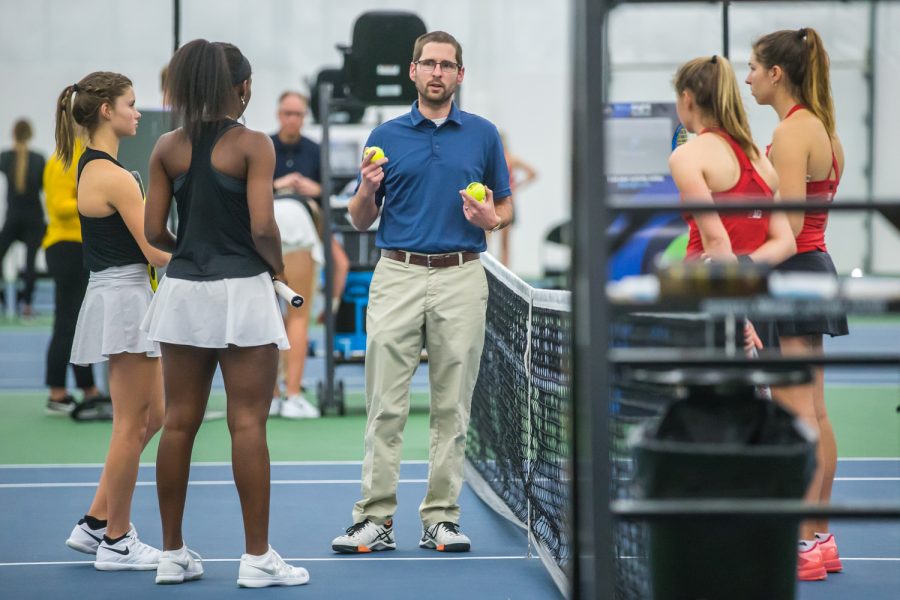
<point x="789" y="72"/>
<point x="216" y="305"/>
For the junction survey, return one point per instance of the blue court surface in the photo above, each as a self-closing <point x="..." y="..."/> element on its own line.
<point x="310" y="505"/>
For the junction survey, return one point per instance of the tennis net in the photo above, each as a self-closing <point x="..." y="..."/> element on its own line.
<point x="519" y="445"/>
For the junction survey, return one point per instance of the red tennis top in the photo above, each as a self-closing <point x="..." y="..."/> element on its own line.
<point x="812" y="234"/>
<point x="746" y="230"/>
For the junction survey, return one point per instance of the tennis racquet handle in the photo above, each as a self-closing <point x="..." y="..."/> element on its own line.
<point x="286" y="293"/>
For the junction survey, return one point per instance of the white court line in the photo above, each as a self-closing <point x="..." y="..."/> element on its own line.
<point x="288" y="463"/>
<point x="208" y="482"/>
<point x="329" y="559"/>
<point x="867" y="478"/>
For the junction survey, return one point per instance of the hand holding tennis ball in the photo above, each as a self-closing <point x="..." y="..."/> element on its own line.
<point x="476" y="190"/>
<point x="377" y="153"/>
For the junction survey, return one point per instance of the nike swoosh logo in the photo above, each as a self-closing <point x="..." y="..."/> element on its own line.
<point x="97" y="539"/>
<point x="124" y="552"/>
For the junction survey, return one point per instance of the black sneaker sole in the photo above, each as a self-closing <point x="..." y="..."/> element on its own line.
<point x="356" y="550"/>
<point x="445" y="547"/>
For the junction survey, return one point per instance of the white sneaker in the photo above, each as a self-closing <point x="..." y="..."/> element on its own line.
<point x="178" y="566"/>
<point x="128" y="554"/>
<point x="366" y="537"/>
<point x="84" y="539"/>
<point x="298" y="407"/>
<point x="269" y="569"/>
<point x="275" y="407"/>
<point x="444" y="537"/>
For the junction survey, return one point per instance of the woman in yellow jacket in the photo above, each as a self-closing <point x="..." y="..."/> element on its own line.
<point x="62" y="249"/>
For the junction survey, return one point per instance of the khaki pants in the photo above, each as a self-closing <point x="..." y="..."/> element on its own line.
<point x="444" y="310"/>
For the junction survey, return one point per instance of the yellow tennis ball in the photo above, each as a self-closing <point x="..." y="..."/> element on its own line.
<point x="379" y="153"/>
<point x="476" y="190"/>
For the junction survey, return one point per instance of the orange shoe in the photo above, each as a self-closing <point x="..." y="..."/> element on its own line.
<point x="830" y="556"/>
<point x="810" y="565"/>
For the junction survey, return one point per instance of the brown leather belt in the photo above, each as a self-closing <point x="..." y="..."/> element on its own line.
<point x="436" y="261"/>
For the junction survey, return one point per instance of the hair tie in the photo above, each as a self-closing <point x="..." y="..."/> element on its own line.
<point x="75" y="88"/>
<point x="801" y="33"/>
<point x="714" y="59"/>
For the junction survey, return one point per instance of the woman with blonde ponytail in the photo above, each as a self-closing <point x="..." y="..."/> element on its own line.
<point x="110" y="207"/>
<point x="24" y="222"/>
<point x="721" y="164"/>
<point x="789" y="72"/>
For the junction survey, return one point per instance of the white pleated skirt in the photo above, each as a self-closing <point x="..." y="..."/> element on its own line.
<point x="240" y="312"/>
<point x="109" y="321"/>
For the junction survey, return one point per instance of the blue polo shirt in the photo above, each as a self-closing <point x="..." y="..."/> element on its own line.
<point x="303" y="157"/>
<point x="422" y="210"/>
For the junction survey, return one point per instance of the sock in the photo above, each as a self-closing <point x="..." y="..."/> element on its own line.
<point x="260" y="556"/>
<point x="94" y="523"/>
<point x="109" y="541"/>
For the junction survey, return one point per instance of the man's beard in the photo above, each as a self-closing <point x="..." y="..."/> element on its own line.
<point x="431" y="99"/>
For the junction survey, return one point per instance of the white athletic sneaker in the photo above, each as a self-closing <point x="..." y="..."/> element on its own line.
<point x="444" y="537"/>
<point x="84" y="539"/>
<point x="178" y="566"/>
<point x="128" y="554"/>
<point x="298" y="407"/>
<point x="366" y="537"/>
<point x="275" y="407"/>
<point x="267" y="570"/>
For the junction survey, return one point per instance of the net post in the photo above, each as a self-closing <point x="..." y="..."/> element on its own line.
<point x="529" y="452"/>
<point x="592" y="523"/>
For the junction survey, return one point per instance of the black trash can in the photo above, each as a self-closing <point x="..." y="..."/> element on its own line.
<point x="722" y="442"/>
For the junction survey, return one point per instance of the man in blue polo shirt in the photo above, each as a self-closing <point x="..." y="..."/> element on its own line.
<point x="429" y="288"/>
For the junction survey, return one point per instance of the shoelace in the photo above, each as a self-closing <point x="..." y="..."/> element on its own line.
<point x="451" y="527"/>
<point x="357" y="527"/>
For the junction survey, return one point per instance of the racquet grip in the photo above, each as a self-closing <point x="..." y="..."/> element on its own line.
<point x="286" y="293"/>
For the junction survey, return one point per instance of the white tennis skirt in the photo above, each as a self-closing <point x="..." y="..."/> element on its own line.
<point x="216" y="314"/>
<point x="298" y="232"/>
<point x="110" y="317"/>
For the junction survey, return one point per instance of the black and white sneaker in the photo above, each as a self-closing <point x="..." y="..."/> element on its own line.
<point x="62" y="407"/>
<point x="84" y="539"/>
<point x="445" y="537"/>
<point x="128" y="553"/>
<point x="366" y="537"/>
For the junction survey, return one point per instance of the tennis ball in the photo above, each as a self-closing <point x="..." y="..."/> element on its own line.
<point x="379" y="153"/>
<point x="476" y="190"/>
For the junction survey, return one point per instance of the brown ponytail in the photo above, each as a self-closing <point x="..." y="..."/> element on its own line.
<point x="80" y="104"/>
<point x="801" y="55"/>
<point x="716" y="93"/>
<point x="21" y="134"/>
<point x="65" y="127"/>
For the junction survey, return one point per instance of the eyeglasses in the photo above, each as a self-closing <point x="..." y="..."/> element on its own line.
<point x="428" y="65"/>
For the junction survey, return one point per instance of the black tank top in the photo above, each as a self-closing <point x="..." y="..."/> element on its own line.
<point x="107" y="242"/>
<point x="213" y="238"/>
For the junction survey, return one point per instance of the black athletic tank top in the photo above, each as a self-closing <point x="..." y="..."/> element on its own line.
<point x="106" y="240"/>
<point x="213" y="237"/>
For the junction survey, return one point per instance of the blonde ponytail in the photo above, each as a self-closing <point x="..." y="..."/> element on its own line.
<point x="711" y="80"/>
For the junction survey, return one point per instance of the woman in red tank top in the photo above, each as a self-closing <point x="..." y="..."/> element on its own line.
<point x="789" y="72"/>
<point x="722" y="165"/>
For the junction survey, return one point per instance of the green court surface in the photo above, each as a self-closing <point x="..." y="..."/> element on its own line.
<point x="28" y="436"/>
<point x="865" y="420"/>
